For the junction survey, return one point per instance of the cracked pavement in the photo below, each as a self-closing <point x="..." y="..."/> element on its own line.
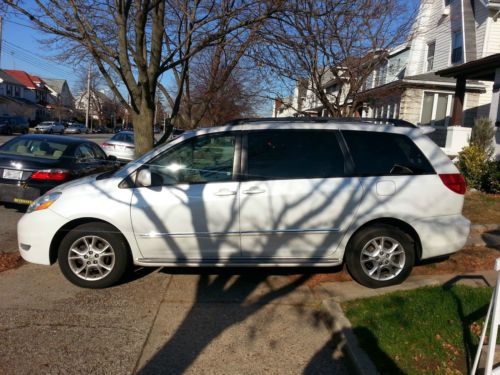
<point x="168" y="321"/>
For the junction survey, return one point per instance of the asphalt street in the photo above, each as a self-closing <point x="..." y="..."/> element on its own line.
<point x="167" y="321"/>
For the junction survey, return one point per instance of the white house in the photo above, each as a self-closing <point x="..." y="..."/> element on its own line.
<point x="446" y="33"/>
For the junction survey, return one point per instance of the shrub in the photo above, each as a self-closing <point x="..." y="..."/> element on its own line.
<point x="472" y="162"/>
<point x="482" y="136"/>
<point x="491" y="180"/>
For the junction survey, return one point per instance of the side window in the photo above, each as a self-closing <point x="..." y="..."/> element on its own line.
<point x="99" y="154"/>
<point x="204" y="159"/>
<point x="382" y="154"/>
<point x="84" y="153"/>
<point x="293" y="154"/>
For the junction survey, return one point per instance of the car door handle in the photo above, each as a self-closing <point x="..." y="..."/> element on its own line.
<point x="254" y="190"/>
<point x="225" y="192"/>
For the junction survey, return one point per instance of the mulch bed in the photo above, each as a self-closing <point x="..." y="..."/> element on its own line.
<point x="10" y="260"/>
<point x="469" y="259"/>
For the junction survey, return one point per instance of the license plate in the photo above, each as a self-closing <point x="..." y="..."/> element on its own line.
<point x="11" y="174"/>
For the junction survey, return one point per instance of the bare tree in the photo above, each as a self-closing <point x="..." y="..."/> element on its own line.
<point x="220" y="86"/>
<point x="133" y="42"/>
<point x="332" y="43"/>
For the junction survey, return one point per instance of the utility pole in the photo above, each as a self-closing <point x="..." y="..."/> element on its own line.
<point x="1" y="40"/>
<point x="87" y="113"/>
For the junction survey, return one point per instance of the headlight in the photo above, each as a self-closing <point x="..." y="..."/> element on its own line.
<point x="45" y="201"/>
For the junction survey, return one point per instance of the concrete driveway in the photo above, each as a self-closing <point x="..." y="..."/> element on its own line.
<point x="165" y="321"/>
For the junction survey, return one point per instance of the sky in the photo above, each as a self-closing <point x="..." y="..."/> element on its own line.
<point x="21" y="50"/>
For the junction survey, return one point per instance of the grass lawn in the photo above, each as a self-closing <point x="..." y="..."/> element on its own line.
<point x="424" y="331"/>
<point x="482" y="208"/>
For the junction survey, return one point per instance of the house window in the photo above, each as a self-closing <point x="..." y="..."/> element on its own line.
<point x="17" y="91"/>
<point x="456" y="47"/>
<point x="436" y="109"/>
<point x="9" y="90"/>
<point x="331" y="89"/>
<point x="431" y="47"/>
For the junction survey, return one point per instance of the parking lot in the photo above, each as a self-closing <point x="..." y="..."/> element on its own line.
<point x="168" y="321"/>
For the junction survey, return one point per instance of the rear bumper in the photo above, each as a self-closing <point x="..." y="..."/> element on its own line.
<point x="120" y="155"/>
<point x="13" y="193"/>
<point x="442" y="235"/>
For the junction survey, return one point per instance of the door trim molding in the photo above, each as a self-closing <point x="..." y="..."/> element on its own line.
<point x="245" y="233"/>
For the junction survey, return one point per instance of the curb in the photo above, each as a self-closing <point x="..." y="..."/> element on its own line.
<point x="359" y="360"/>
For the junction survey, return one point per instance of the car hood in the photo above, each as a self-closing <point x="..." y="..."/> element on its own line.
<point x="87" y="180"/>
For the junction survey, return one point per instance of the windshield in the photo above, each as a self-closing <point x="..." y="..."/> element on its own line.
<point x="39" y="148"/>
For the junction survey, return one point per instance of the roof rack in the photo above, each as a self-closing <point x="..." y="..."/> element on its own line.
<point x="364" y="120"/>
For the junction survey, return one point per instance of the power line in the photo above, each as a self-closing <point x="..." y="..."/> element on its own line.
<point x="37" y="59"/>
<point x="46" y="71"/>
<point x="22" y="24"/>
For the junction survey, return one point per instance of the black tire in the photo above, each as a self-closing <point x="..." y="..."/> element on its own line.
<point x="388" y="268"/>
<point x="118" y="246"/>
<point x="50" y="131"/>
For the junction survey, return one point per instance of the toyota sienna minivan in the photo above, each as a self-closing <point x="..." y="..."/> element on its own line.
<point x="271" y="193"/>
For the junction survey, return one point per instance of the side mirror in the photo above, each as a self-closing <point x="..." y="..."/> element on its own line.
<point x="146" y="178"/>
<point x="111" y="158"/>
<point x="143" y="178"/>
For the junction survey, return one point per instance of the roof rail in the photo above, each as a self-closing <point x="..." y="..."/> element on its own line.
<point x="364" y="120"/>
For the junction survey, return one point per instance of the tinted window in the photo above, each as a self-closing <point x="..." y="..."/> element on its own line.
<point x="84" y="153"/>
<point x="203" y="159"/>
<point x="287" y="154"/>
<point x="378" y="154"/>
<point x="98" y="152"/>
<point x="39" y="148"/>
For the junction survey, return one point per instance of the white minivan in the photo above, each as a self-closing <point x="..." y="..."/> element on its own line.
<point x="297" y="192"/>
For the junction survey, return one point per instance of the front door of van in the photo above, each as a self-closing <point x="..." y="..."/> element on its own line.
<point x="191" y="211"/>
<point x="296" y="201"/>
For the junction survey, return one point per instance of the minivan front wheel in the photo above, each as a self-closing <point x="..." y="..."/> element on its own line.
<point x="93" y="255"/>
<point x="380" y="255"/>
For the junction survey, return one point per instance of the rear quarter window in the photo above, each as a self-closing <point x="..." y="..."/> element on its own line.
<point x="381" y="154"/>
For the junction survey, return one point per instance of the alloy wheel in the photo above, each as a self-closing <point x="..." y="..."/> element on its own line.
<point x="91" y="258"/>
<point x="382" y="258"/>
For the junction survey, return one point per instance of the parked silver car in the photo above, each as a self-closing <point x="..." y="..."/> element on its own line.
<point x="121" y="145"/>
<point x="76" y="129"/>
<point x="50" y="127"/>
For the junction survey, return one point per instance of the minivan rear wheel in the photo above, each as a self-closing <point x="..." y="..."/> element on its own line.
<point x="380" y="255"/>
<point x="93" y="255"/>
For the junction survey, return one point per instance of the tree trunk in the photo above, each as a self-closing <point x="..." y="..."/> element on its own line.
<point x="143" y="128"/>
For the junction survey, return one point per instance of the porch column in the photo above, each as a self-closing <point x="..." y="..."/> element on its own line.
<point x="458" y="102"/>
<point x="495" y="100"/>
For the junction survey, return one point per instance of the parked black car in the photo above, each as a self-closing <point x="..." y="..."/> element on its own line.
<point x="13" y="124"/>
<point x="30" y="165"/>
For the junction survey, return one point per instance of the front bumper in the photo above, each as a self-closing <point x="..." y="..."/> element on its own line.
<point x="442" y="235"/>
<point x="35" y="232"/>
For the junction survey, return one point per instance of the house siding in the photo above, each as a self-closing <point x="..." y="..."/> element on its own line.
<point x="481" y="15"/>
<point x="493" y="36"/>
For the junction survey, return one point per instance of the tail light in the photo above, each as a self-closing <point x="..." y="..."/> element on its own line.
<point x="106" y="145"/>
<point x="455" y="182"/>
<point x="51" y="175"/>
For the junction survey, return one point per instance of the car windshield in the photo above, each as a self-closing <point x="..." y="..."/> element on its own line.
<point x="39" y="148"/>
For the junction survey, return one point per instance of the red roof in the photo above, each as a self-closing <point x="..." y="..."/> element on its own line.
<point x="31" y="82"/>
